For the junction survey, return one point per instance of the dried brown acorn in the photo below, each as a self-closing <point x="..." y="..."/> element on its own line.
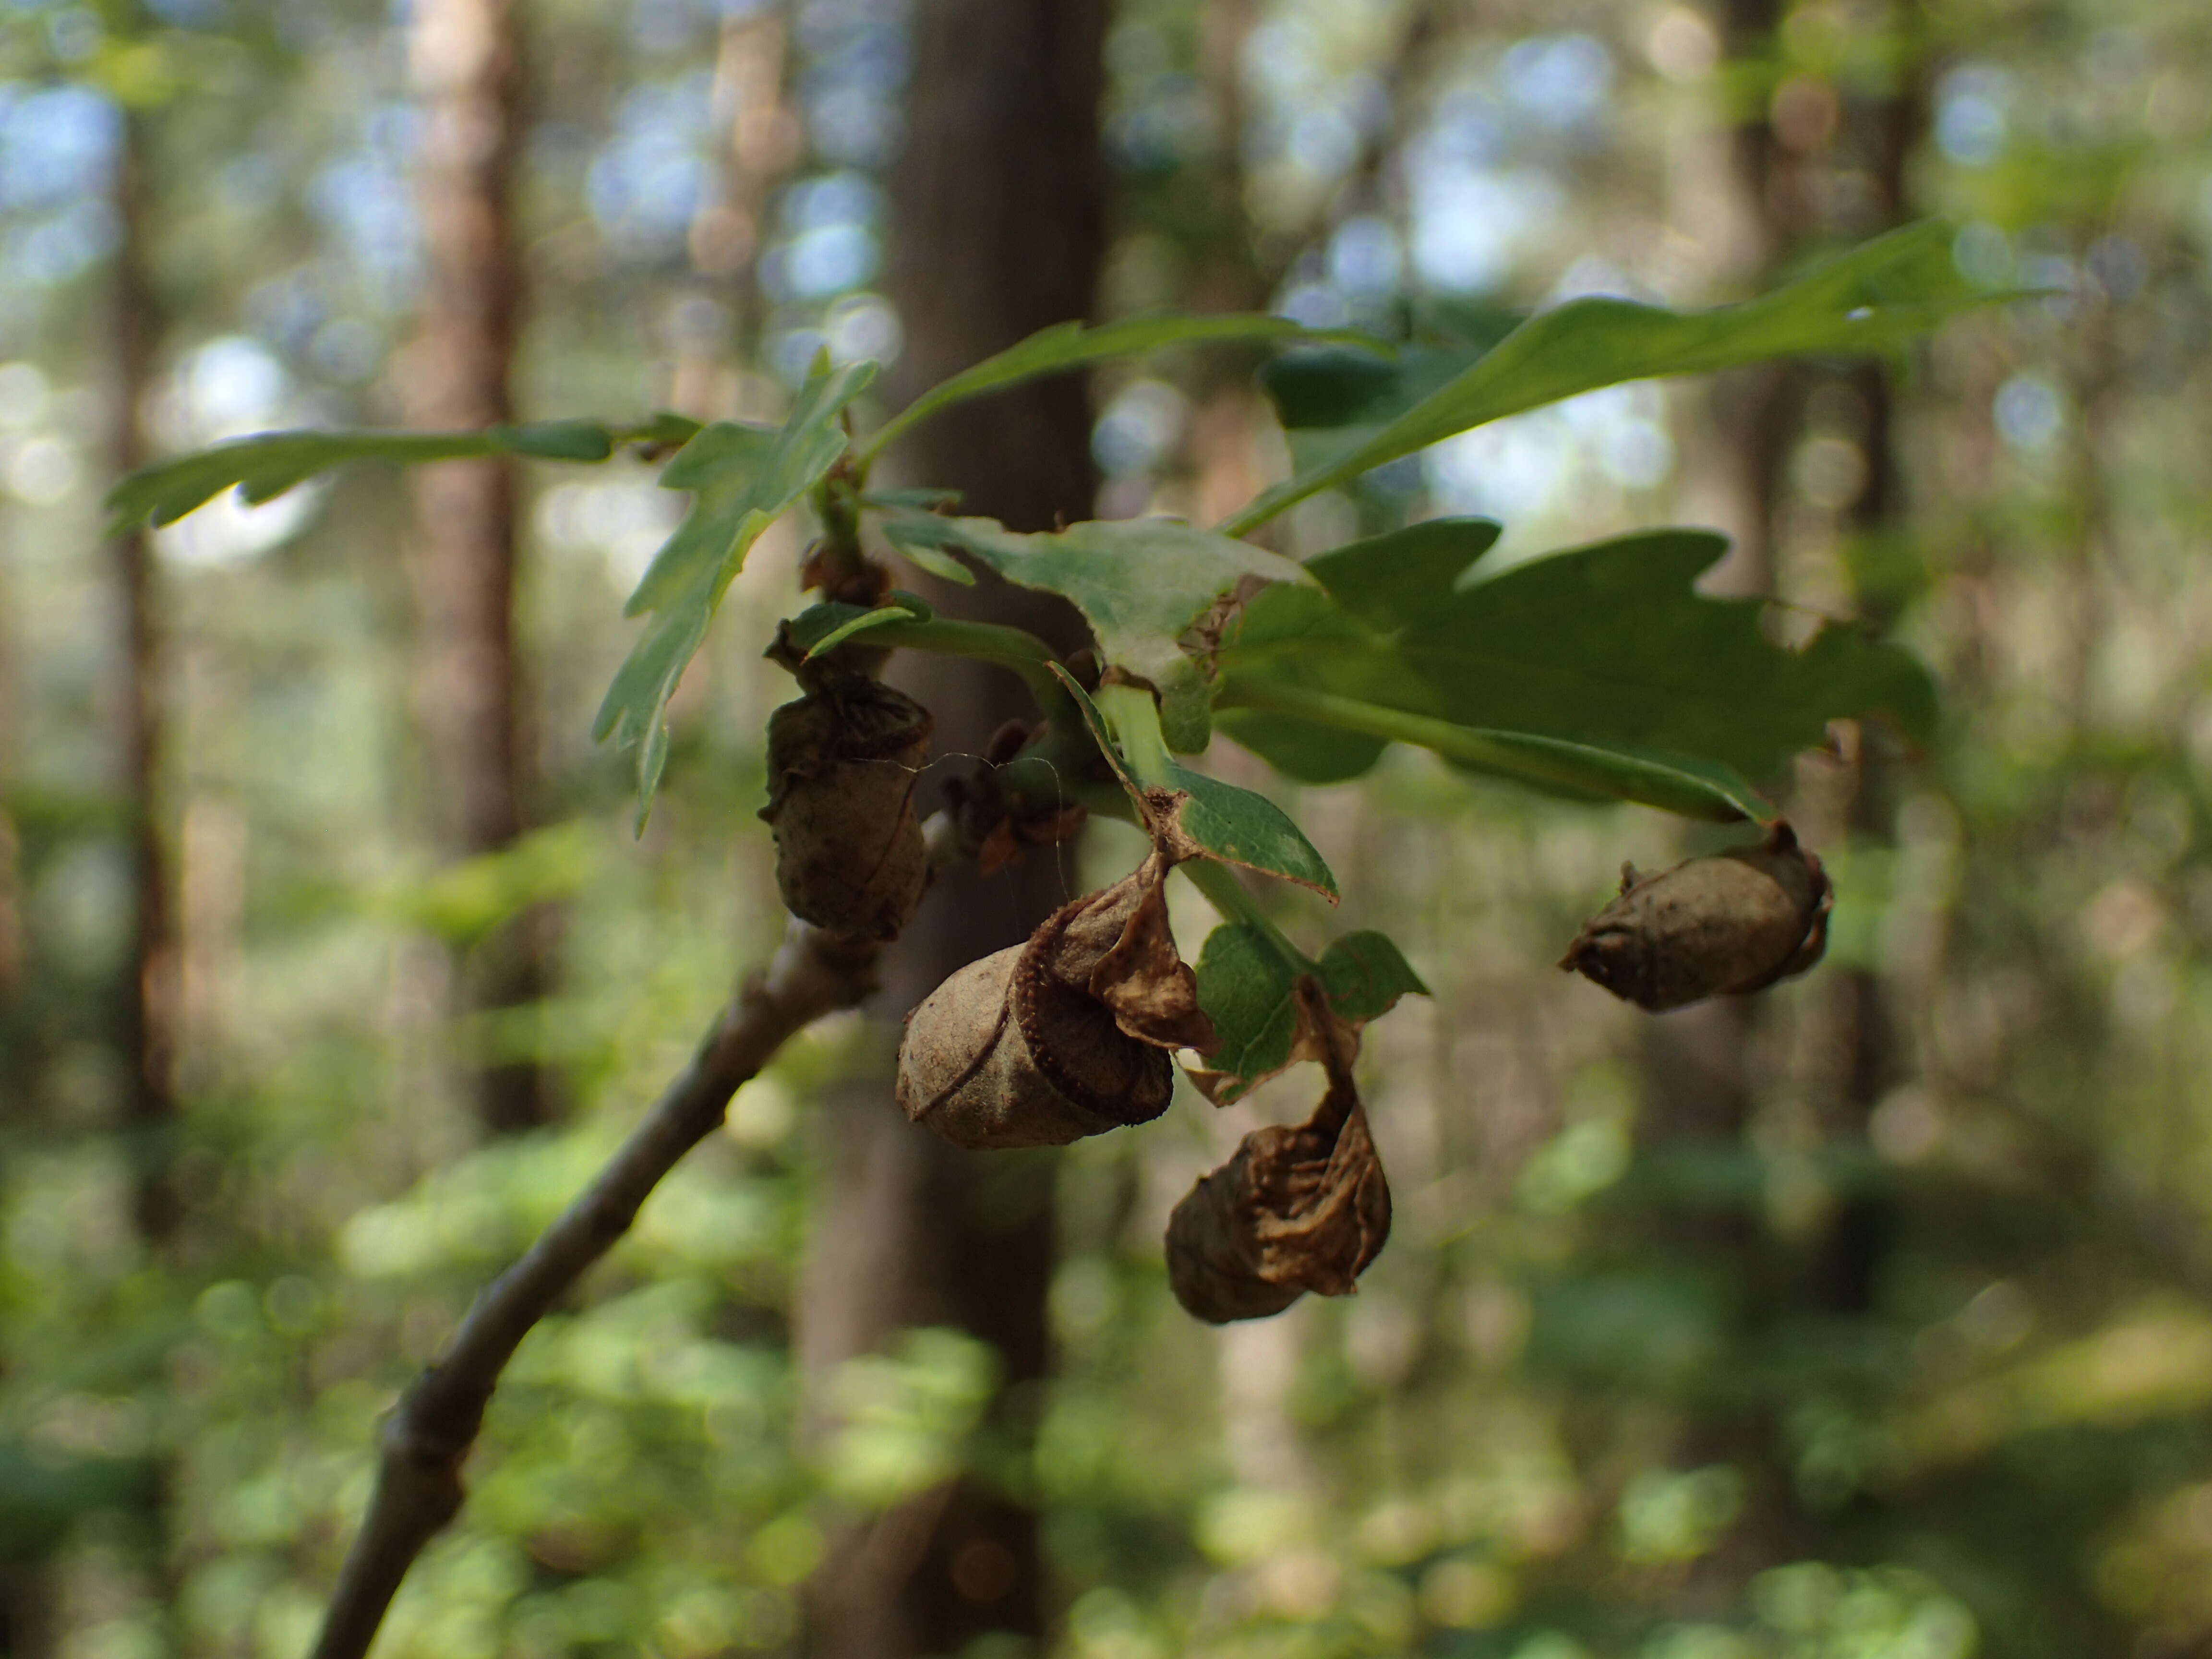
<point x="841" y="766"/>
<point x="1064" y="1037"/>
<point x="1724" y="925"/>
<point x="1296" y="1210"/>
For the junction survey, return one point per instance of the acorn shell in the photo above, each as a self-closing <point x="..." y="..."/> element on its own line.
<point x="842" y="765"/>
<point x="1005" y="1054"/>
<point x="1726" y="925"/>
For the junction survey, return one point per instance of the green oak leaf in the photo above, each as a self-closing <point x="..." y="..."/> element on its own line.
<point x="1247" y="989"/>
<point x="921" y="542"/>
<point x="1338" y="640"/>
<point x="821" y="627"/>
<point x="1597" y="672"/>
<point x="1875" y="298"/>
<point x="743" y="477"/>
<point x="1302" y="638"/>
<point x="1239" y="826"/>
<point x="266" y="465"/>
<point x="1330" y="388"/>
<point x="1142" y="584"/>
<point x="1299" y="731"/>
<point x="1323" y="387"/>
<point x="1222" y="821"/>
<point x="1610" y="645"/>
<point x="1072" y="345"/>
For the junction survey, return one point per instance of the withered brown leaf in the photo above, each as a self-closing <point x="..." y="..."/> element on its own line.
<point x="1296" y="1209"/>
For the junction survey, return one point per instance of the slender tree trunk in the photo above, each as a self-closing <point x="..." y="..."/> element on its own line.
<point x="150" y="998"/>
<point x="149" y="1013"/>
<point x="1848" y="1263"/>
<point x="757" y="138"/>
<point x="471" y="702"/>
<point x="999" y="198"/>
<point x="1703" y="1082"/>
<point x="11" y="898"/>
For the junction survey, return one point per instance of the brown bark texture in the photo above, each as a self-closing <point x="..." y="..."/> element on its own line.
<point x="999" y="198"/>
<point x="470" y="693"/>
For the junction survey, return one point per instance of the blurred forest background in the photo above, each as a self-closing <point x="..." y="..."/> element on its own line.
<point x="1872" y="1320"/>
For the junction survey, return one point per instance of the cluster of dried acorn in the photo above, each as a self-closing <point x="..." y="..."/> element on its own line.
<point x="1072" y="1032"/>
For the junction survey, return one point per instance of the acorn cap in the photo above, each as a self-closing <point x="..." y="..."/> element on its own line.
<point x="1730" y="924"/>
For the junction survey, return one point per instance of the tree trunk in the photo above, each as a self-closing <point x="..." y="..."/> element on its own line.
<point x="149" y="997"/>
<point x="757" y="138"/>
<point x="1703" y="1085"/>
<point x="1001" y="230"/>
<point x="1847" y="1265"/>
<point x="470" y="700"/>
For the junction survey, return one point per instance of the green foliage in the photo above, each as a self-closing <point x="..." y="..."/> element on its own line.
<point x="1248" y="988"/>
<point x="265" y="467"/>
<point x="1875" y="298"/>
<point x="1599" y="671"/>
<point x="1334" y="387"/>
<point x="43" y="1494"/>
<point x="1142" y="584"/>
<point x="1230" y="824"/>
<point x="825" y="626"/>
<point x="1236" y="826"/>
<point x="905" y="1415"/>
<point x="1071" y="345"/>
<point x="466" y="899"/>
<point x="744" y="478"/>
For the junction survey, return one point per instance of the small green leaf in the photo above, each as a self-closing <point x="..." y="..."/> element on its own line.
<point x="1228" y="823"/>
<point x="1366" y="975"/>
<point x="924" y="546"/>
<point x="861" y="620"/>
<point x="1246" y="989"/>
<point x="1071" y="345"/>
<point x="1142" y="584"/>
<point x="1391" y="580"/>
<point x="265" y="467"/>
<point x="744" y="478"/>
<point x="1237" y="826"/>
<point x="1250" y="991"/>
<point x="1872" y="298"/>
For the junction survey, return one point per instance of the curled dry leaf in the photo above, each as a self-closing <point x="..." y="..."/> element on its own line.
<point x="1064" y="1037"/>
<point x="1297" y="1209"/>
<point x="841" y="763"/>
<point x="1729" y="924"/>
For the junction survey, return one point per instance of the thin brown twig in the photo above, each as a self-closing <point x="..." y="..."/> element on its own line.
<point x="425" y="1440"/>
